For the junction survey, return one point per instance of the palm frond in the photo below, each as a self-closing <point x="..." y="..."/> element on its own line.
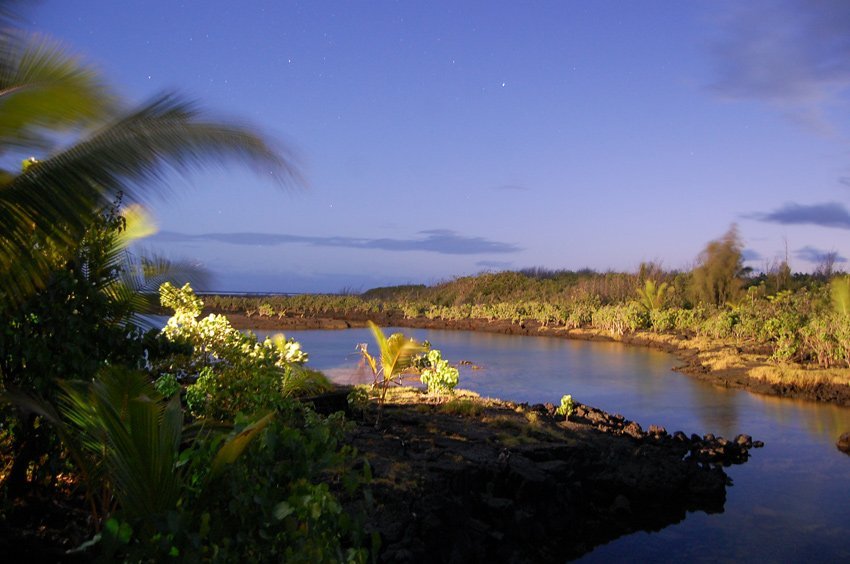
<point x="55" y="197"/>
<point x="839" y="289"/>
<point x="233" y="448"/>
<point x="43" y="89"/>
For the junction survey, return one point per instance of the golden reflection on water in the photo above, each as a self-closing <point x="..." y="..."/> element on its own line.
<point x="789" y="501"/>
<point x="820" y="420"/>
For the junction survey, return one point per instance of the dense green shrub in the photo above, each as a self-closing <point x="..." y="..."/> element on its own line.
<point x="581" y="311"/>
<point x="719" y="325"/>
<point x="438" y="375"/>
<point x="275" y="503"/>
<point x="688" y="320"/>
<point x="167" y="385"/>
<point x="662" y="320"/>
<point x="619" y="319"/>
<point x="214" y="339"/>
<point x="226" y="390"/>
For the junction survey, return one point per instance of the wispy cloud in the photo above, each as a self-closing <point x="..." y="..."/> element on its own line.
<point x="441" y="241"/>
<point x="496" y="264"/>
<point x="830" y="214"/>
<point x="815" y="255"/>
<point x="793" y="53"/>
<point x="751" y="255"/>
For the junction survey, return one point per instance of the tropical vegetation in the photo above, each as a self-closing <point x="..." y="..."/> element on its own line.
<point x="186" y="443"/>
<point x="794" y="318"/>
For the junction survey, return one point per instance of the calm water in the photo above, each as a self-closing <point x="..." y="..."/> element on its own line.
<point x="789" y="503"/>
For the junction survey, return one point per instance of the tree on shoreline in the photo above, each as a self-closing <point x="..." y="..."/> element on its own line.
<point x="716" y="279"/>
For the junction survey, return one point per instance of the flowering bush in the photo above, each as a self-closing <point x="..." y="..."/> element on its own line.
<point x="215" y="340"/>
<point x="235" y="371"/>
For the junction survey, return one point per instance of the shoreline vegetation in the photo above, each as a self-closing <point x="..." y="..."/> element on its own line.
<point x="200" y="443"/>
<point x="720" y="363"/>
<point x="792" y="342"/>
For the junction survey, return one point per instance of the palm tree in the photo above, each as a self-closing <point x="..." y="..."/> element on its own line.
<point x="47" y="96"/>
<point x="652" y="296"/>
<point x="397" y="354"/>
<point x="89" y="152"/>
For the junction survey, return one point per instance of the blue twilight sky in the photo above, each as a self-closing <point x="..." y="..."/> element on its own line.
<point x="444" y="138"/>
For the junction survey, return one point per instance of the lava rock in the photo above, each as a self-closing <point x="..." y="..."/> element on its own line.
<point x="633" y="429"/>
<point x="843" y="443"/>
<point x="744" y="441"/>
<point x="657" y="430"/>
<point x="680" y="437"/>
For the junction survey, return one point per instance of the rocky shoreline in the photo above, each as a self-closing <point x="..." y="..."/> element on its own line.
<point x="740" y="373"/>
<point x="475" y="480"/>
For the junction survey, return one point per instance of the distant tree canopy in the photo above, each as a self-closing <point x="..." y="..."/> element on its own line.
<point x="716" y="279"/>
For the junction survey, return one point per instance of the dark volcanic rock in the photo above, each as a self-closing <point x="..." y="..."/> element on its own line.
<point x="513" y="484"/>
<point x="843" y="443"/>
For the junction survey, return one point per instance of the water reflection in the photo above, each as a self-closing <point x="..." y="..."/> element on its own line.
<point x="788" y="503"/>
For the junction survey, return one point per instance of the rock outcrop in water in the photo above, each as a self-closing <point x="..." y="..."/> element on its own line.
<point x="843" y="443"/>
<point x="476" y="480"/>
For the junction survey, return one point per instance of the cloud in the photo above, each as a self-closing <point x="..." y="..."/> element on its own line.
<point x="830" y="214"/>
<point x="496" y="264"/>
<point x="812" y="254"/>
<point x="441" y="241"/>
<point x="794" y="53"/>
<point x="751" y="255"/>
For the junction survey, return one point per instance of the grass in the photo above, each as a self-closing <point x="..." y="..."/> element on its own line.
<point x="800" y="377"/>
<point x="465" y="407"/>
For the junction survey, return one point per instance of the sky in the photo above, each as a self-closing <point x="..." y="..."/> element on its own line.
<point x="445" y="138"/>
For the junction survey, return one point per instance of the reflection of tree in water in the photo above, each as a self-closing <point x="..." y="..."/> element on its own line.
<point x="821" y="421"/>
<point x="717" y="409"/>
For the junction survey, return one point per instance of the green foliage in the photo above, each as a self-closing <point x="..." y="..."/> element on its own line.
<point x="262" y="492"/>
<point x="68" y="329"/>
<point x="465" y="407"/>
<point x="186" y="305"/>
<point x="716" y="279"/>
<point x="397" y="354"/>
<point x="784" y="331"/>
<point x="839" y="288"/>
<point x="720" y="325"/>
<point x="662" y="320"/>
<point x="439" y="376"/>
<point x="358" y="399"/>
<point x="582" y="310"/>
<point x="277" y="501"/>
<point x="567" y="407"/>
<point x="798" y="324"/>
<point x="652" y="296"/>
<point x="222" y="392"/>
<point x="265" y="310"/>
<point x="215" y="340"/>
<point x="167" y="385"/>
<point x="619" y="319"/>
<point x="235" y="372"/>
